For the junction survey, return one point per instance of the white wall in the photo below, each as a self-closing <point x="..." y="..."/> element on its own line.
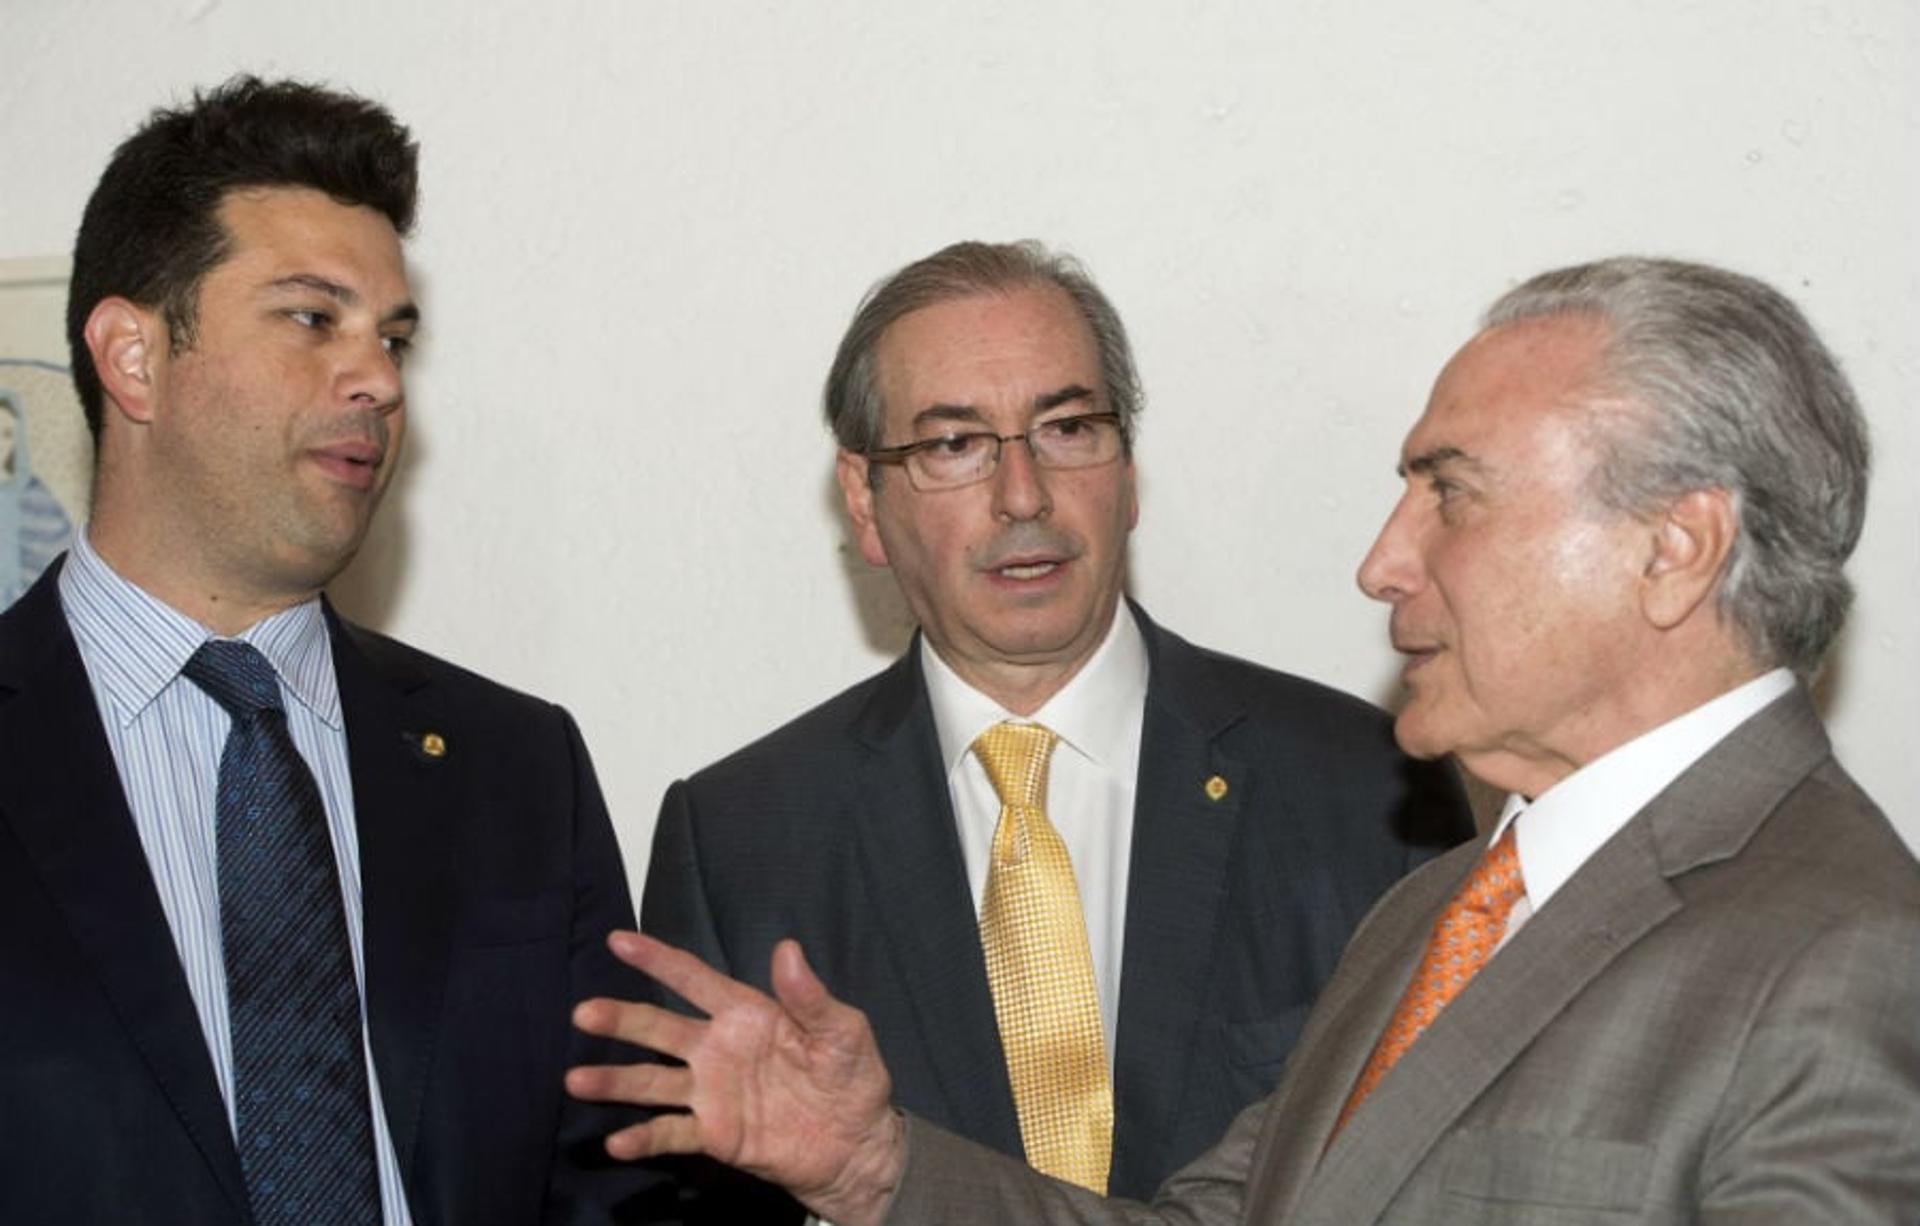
<point x="645" y="224"/>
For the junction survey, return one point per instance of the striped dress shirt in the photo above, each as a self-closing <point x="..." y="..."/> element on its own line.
<point x="167" y="735"/>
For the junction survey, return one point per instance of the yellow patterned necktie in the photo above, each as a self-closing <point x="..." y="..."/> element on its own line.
<point x="1041" y="972"/>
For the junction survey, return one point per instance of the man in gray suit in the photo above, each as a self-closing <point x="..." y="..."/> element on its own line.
<point x="1617" y="560"/>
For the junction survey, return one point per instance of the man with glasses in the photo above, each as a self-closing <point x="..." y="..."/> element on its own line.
<point x="1673" y="985"/>
<point x="1084" y="877"/>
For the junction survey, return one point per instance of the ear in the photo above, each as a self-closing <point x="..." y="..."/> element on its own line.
<point x="854" y="473"/>
<point x="1133" y="496"/>
<point x="1692" y="539"/>
<point x="128" y="343"/>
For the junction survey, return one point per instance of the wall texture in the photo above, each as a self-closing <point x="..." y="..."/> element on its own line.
<point x="646" y="222"/>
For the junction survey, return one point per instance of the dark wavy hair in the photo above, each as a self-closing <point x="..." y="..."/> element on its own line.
<point x="152" y="228"/>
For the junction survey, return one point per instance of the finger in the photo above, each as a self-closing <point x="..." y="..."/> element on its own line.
<point x="646" y="1025"/>
<point x="800" y="991"/>
<point x="663" y="1134"/>
<point x="643" y="1085"/>
<point x="691" y="979"/>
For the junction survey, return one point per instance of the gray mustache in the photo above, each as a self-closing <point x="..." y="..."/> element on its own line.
<point x="1025" y="540"/>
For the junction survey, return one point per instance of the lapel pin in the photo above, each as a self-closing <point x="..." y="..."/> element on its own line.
<point x="1216" y="788"/>
<point x="430" y="746"/>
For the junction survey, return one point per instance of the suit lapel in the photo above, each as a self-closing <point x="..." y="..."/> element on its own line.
<point x="1186" y="814"/>
<point x="61" y="794"/>
<point x="1340" y="1033"/>
<point x="1616" y="898"/>
<point x="406" y="809"/>
<point x="911" y="853"/>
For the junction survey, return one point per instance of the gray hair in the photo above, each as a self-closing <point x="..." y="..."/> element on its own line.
<point x="851" y="399"/>
<point x="1729" y="388"/>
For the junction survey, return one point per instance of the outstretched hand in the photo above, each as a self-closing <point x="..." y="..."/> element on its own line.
<point x="790" y="1088"/>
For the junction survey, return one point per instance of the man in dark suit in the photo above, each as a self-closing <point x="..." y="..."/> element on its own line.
<point x="1674" y="985"/>
<point x="1227" y="825"/>
<point x="238" y="313"/>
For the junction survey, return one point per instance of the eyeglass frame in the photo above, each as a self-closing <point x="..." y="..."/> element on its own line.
<point x="906" y="451"/>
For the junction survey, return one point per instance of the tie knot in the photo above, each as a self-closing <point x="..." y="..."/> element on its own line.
<point x="1495" y="883"/>
<point x="235" y="675"/>
<point x="1015" y="756"/>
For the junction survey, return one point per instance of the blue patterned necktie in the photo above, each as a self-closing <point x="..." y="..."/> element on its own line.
<point x="301" y="1120"/>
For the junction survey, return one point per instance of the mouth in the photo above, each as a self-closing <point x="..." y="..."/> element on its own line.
<point x="354" y="463"/>
<point x="1418" y="652"/>
<point x="1027" y="570"/>
<point x="1028" y="558"/>
<point x="1417" y="659"/>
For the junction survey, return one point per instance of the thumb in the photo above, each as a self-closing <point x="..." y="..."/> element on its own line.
<point x="799" y="990"/>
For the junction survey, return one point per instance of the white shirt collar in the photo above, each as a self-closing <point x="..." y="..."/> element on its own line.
<point x="1570" y="821"/>
<point x="1092" y="713"/>
<point x="140" y="643"/>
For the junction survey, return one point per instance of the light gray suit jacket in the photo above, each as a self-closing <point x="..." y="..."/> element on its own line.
<point x="1716" y="1020"/>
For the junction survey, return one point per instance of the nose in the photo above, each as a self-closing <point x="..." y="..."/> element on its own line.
<point x="1019" y="489"/>
<point x="369" y="378"/>
<point x="1391" y="569"/>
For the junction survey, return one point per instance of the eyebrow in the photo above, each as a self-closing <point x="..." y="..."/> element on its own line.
<point x="406" y="312"/>
<point x="1427" y="461"/>
<point x="1066" y="395"/>
<point x="1070" y="394"/>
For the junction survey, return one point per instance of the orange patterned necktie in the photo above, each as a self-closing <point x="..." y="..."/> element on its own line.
<point x="1464" y="937"/>
<point x="1040" y="970"/>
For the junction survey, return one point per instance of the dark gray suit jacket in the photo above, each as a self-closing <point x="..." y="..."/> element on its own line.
<point x="838" y="830"/>
<point x="1716" y="1020"/>
<point x="489" y="878"/>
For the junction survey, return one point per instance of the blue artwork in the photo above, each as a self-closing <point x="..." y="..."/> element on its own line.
<point x="34" y="527"/>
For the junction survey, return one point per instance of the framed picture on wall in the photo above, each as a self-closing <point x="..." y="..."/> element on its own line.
<point x="46" y="456"/>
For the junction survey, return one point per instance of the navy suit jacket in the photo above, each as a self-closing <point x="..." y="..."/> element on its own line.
<point x="838" y="829"/>
<point x="490" y="878"/>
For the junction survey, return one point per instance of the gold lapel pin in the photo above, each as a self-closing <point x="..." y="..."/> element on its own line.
<point x="1216" y="788"/>
<point x="433" y="745"/>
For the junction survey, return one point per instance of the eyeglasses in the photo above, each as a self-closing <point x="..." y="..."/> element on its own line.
<point x="1085" y="440"/>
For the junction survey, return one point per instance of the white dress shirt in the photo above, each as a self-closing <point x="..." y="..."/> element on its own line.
<point x="1091" y="782"/>
<point x="1571" y="820"/>
<point x="167" y="735"/>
